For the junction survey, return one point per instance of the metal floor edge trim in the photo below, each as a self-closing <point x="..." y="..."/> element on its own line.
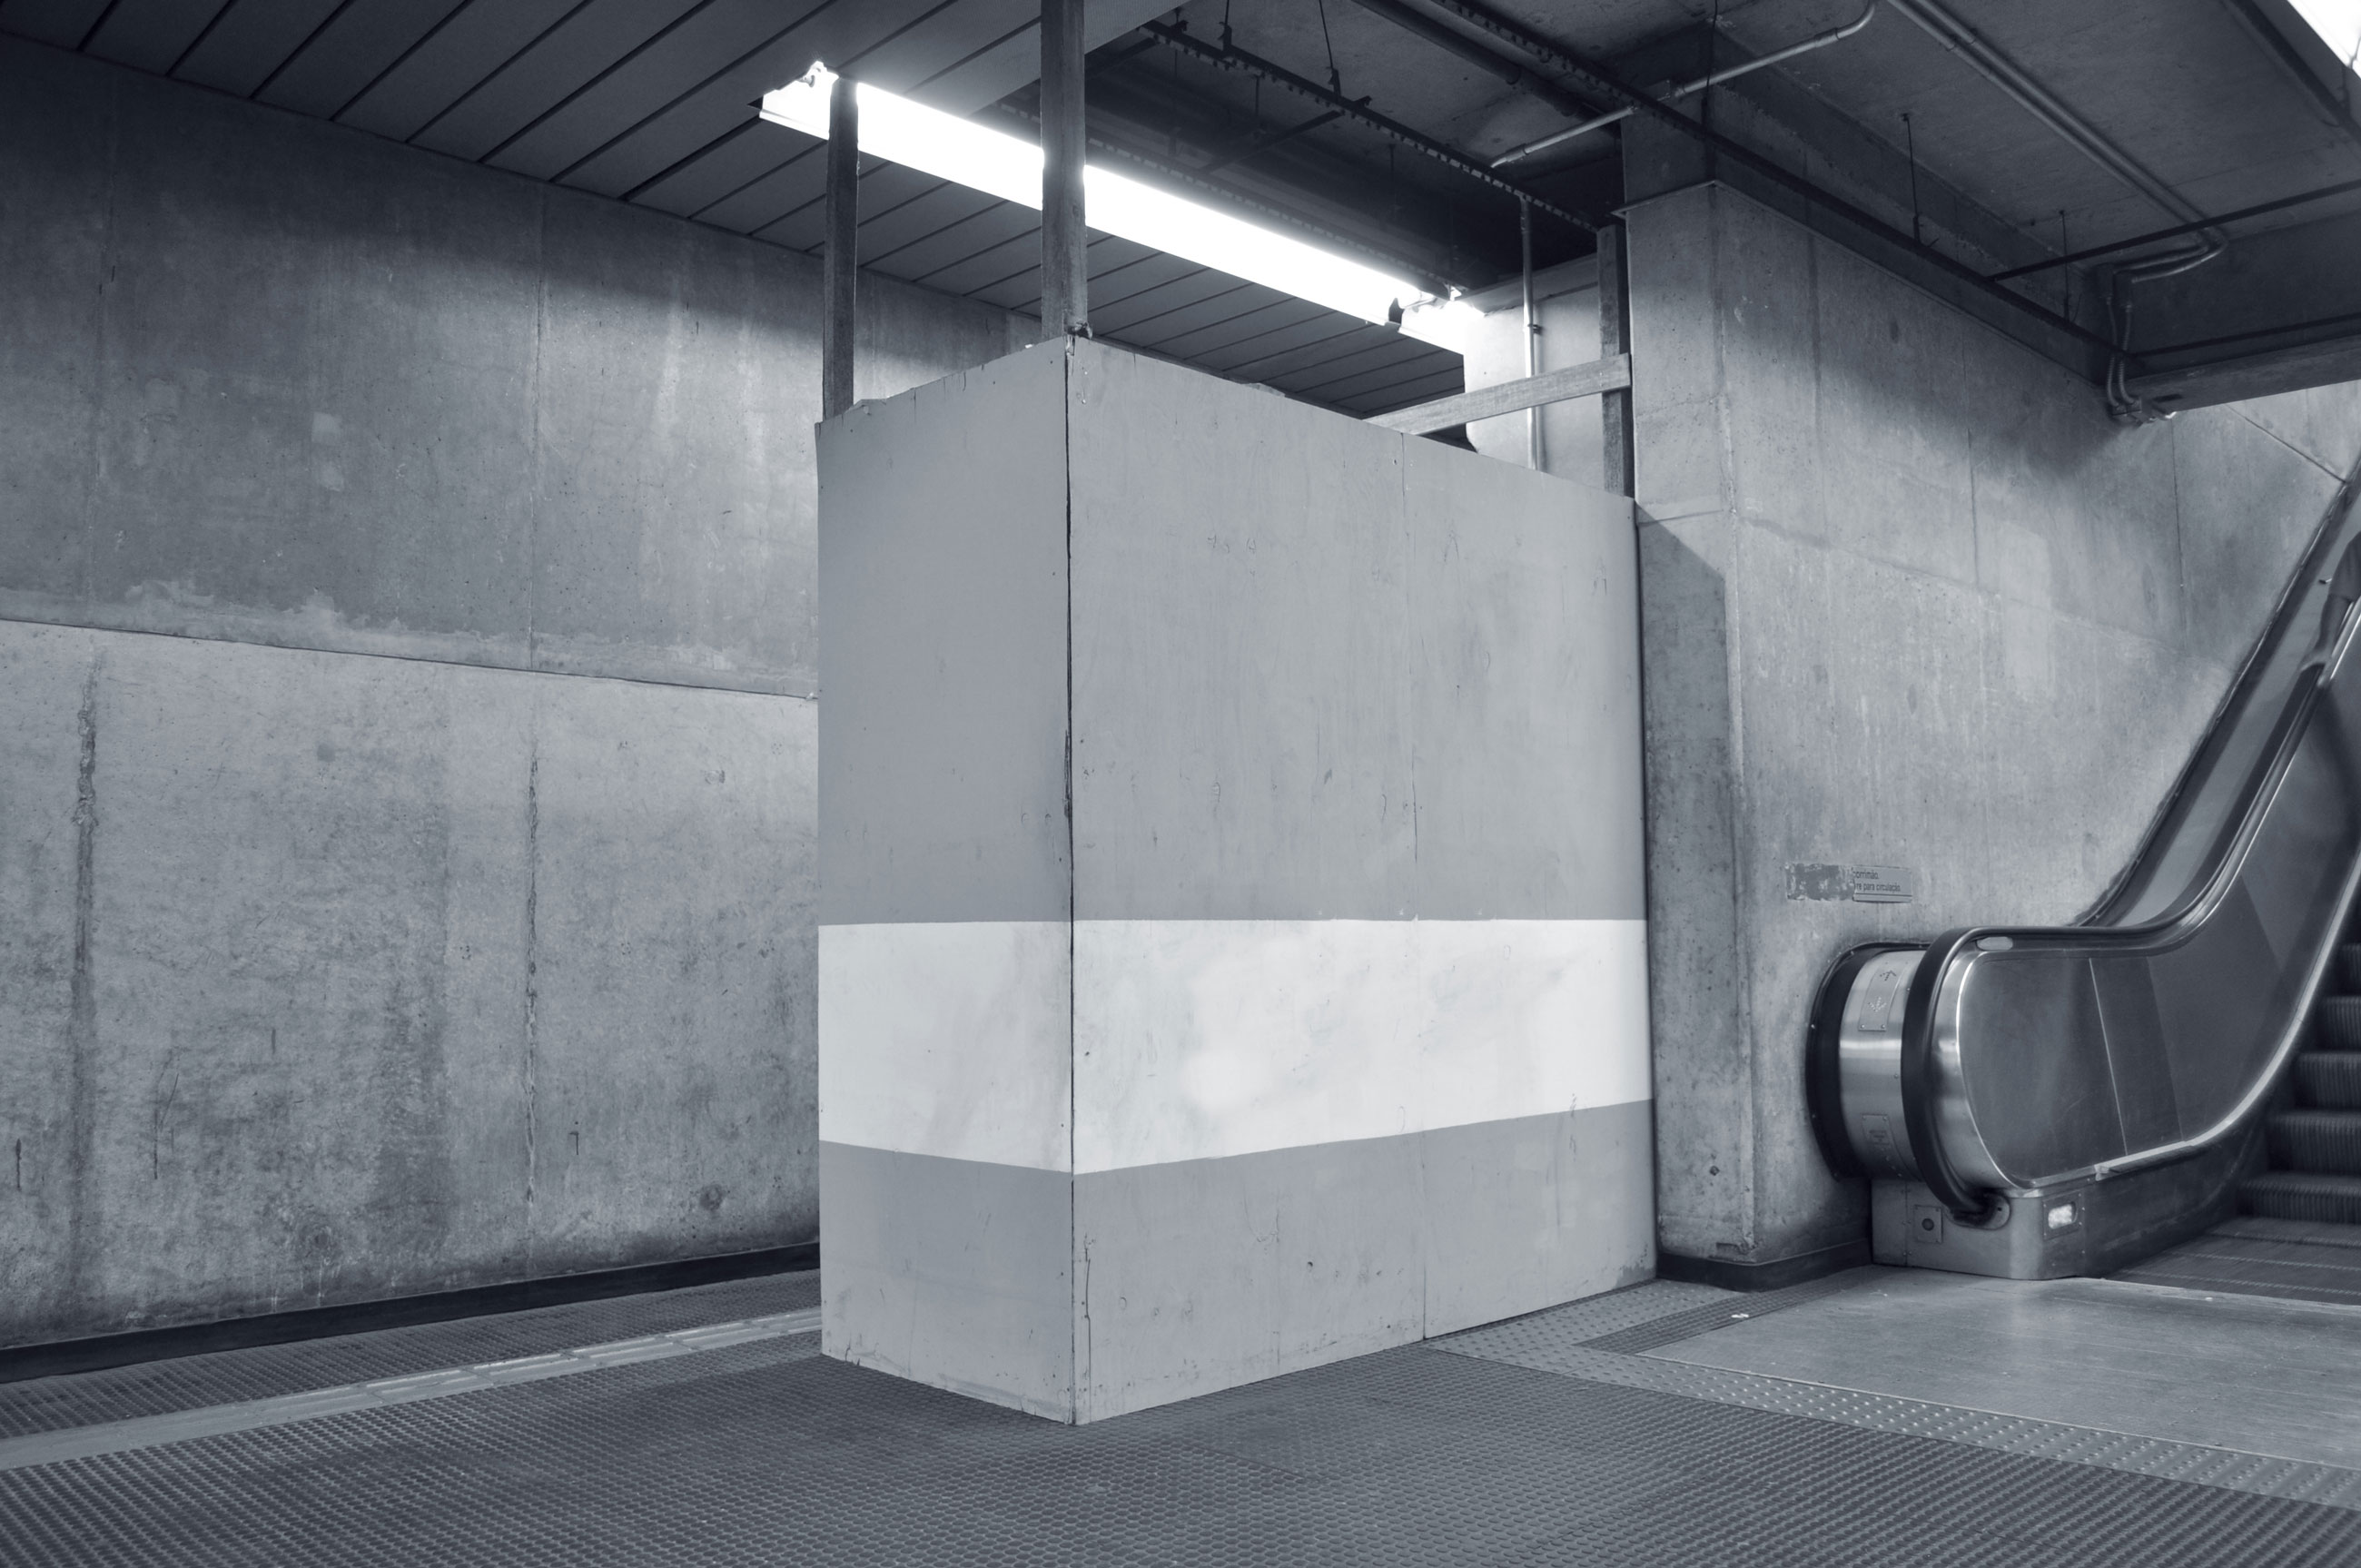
<point x="180" y="1426"/>
<point x="2266" y="1475"/>
<point x="2208" y="1286"/>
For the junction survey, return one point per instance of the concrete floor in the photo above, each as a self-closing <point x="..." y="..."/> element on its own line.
<point x="1663" y="1424"/>
<point x="2241" y="1372"/>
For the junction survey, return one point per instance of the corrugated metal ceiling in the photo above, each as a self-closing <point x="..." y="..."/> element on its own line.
<point x="652" y="101"/>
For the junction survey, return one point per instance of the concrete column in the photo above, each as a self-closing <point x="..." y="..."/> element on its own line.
<point x="1911" y="603"/>
<point x="1065" y="241"/>
<point x="1231" y="953"/>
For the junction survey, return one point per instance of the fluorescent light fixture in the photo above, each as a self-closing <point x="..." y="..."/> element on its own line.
<point x="1443" y="322"/>
<point x="2338" y="23"/>
<point x="901" y="131"/>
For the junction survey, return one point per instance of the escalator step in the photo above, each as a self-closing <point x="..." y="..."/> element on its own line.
<point x="2331" y="1079"/>
<point x="2318" y="1141"/>
<point x="2298" y="1195"/>
<point x="2348" y="968"/>
<point x="2340" y="1022"/>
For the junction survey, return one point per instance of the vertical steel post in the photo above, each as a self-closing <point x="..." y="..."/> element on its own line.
<point x="841" y="277"/>
<point x="1615" y="337"/>
<point x="1533" y="453"/>
<point x="1065" y="275"/>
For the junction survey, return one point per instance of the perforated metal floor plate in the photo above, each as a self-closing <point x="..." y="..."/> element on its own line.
<point x="765" y="1453"/>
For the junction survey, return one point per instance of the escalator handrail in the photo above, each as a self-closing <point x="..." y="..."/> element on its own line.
<point x="2285" y="616"/>
<point x="2218" y="872"/>
<point x="2178" y="924"/>
<point x="1921" y="1078"/>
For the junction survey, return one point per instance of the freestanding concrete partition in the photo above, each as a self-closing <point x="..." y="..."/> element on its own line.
<point x="1231" y="951"/>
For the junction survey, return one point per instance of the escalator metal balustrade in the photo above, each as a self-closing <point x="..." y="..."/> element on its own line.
<point x="2039" y="1100"/>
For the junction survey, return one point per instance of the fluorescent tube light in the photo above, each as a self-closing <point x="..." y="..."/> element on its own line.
<point x="901" y="131"/>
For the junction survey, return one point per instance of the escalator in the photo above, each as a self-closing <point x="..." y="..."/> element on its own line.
<point x="2298" y="1232"/>
<point x="2314" y="1142"/>
<point x="2033" y="1101"/>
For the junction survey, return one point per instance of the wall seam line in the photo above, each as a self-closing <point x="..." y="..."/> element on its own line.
<point x="2283" y="441"/>
<point x="101" y="316"/>
<point x="82" y="1007"/>
<point x="1078" y="1353"/>
<point x="1804" y="542"/>
<point x="540" y="385"/>
<point x="486" y="665"/>
<point x="1734" y="677"/>
<point x="531" y="977"/>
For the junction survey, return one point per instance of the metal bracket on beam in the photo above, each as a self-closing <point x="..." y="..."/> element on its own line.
<point x="1587" y="380"/>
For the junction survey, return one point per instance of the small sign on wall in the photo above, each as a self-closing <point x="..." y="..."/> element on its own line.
<point x="1862" y="885"/>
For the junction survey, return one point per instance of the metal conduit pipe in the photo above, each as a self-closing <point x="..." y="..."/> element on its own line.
<point x="1596" y="80"/>
<point x="2304" y="198"/>
<point x="2003" y="73"/>
<point x="2044" y="105"/>
<point x="1715" y="78"/>
<point x="2127" y="406"/>
<point x="1231" y="58"/>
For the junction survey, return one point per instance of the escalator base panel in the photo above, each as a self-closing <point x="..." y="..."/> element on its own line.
<point x="2295" y="1260"/>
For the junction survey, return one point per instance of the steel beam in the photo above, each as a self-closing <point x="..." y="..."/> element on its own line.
<point x="1065" y="239"/>
<point x="841" y="261"/>
<point x="1587" y="380"/>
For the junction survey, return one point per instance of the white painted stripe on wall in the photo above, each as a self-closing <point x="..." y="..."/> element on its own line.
<point x="1198" y="1039"/>
<point x="951" y="1039"/>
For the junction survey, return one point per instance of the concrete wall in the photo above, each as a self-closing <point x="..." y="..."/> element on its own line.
<point x="1911" y="600"/>
<point x="409" y="619"/>
<point x="1230" y="955"/>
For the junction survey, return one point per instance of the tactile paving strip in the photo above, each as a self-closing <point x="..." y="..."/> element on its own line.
<point x="1565" y="1341"/>
<point x="764" y="1453"/>
<point x="275" y="1371"/>
<point x="1594" y="1317"/>
<point x="183" y="1426"/>
<point x="1707" y="1316"/>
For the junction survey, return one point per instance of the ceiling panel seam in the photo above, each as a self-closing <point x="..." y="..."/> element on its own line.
<point x="677" y="101"/>
<point x="292" y="54"/>
<point x="402" y="58"/>
<point x="202" y="34"/>
<point x="738" y="191"/>
<point x="743" y="128"/>
<point x="436" y="118"/>
<point x="605" y="73"/>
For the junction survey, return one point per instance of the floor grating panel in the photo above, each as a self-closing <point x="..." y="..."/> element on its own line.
<point x="765" y="1453"/>
<point x="1519" y="1444"/>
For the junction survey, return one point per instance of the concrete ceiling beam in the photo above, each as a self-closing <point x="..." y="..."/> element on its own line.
<point x="2280" y="312"/>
